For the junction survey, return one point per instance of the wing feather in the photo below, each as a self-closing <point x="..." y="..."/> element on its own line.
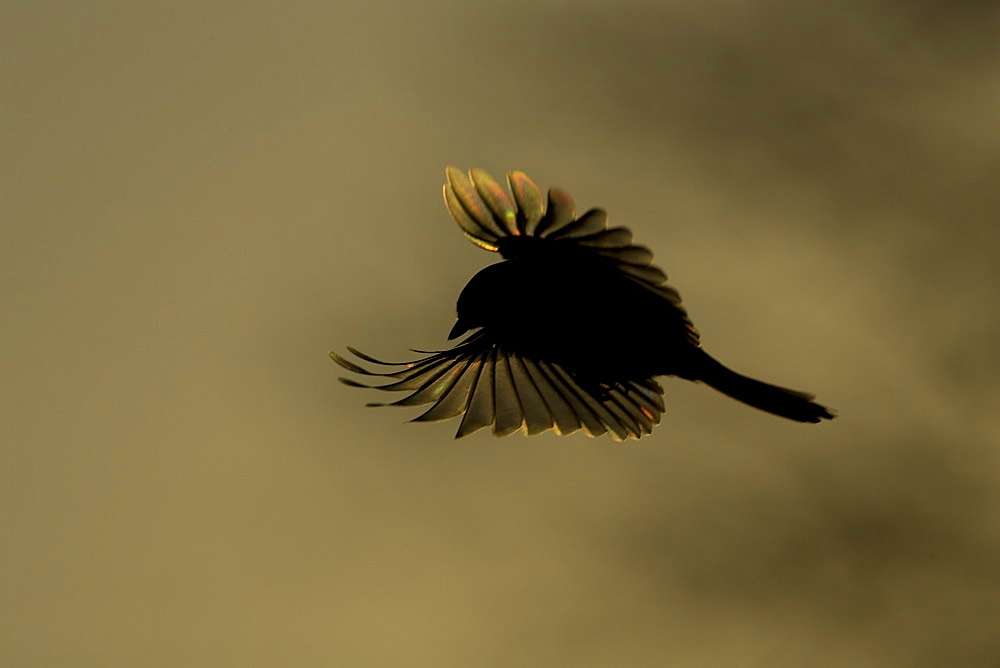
<point x="509" y="413"/>
<point x="530" y="205"/>
<point x="490" y="385"/>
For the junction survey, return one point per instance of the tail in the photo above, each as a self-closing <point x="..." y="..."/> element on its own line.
<point x="771" y="398"/>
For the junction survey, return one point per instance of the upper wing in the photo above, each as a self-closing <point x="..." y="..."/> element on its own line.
<point x="489" y="384"/>
<point x="490" y="219"/>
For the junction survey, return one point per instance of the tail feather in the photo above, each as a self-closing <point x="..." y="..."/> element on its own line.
<point x="781" y="401"/>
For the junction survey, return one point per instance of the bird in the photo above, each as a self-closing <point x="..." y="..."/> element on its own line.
<point x="569" y="331"/>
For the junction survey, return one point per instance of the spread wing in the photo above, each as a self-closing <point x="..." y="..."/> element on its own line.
<point x="490" y="385"/>
<point x="490" y="218"/>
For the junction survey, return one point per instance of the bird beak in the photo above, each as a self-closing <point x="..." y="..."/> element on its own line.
<point x="458" y="330"/>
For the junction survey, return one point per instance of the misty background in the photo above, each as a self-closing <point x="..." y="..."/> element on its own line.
<point x="200" y="200"/>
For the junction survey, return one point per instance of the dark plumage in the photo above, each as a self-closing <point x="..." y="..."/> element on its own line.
<point x="548" y="353"/>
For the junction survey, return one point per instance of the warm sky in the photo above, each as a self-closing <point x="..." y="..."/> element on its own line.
<point x="201" y="199"/>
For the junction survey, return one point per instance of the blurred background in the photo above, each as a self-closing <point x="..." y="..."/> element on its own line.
<point x="201" y="199"/>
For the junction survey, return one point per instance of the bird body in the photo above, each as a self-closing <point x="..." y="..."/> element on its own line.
<point x="571" y="327"/>
<point x="578" y="312"/>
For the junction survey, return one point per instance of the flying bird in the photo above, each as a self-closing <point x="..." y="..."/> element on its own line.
<point x="568" y="332"/>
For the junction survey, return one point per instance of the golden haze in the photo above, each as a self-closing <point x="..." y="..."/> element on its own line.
<point x="199" y="201"/>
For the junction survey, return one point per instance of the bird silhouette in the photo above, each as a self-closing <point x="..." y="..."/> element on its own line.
<point x="568" y="331"/>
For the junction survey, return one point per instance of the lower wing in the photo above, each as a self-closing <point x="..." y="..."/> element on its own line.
<point x="491" y="385"/>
